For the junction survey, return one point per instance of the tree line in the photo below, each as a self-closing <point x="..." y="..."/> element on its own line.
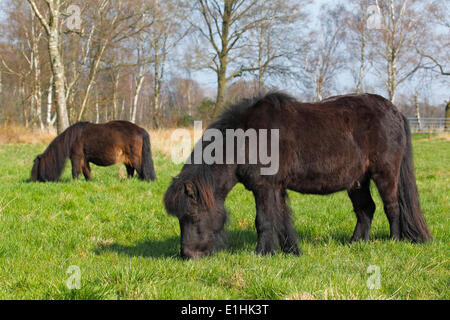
<point x="98" y="60"/>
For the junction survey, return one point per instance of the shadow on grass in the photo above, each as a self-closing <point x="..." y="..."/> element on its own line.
<point x="149" y="248"/>
<point x="61" y="180"/>
<point x="342" y="238"/>
<point x="170" y="248"/>
<point x="234" y="240"/>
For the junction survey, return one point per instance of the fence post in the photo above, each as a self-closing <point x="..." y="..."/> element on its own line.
<point x="416" y="104"/>
<point x="447" y="116"/>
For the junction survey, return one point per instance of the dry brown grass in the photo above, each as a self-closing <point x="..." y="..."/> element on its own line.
<point x="14" y="134"/>
<point x="161" y="141"/>
<point x="444" y="135"/>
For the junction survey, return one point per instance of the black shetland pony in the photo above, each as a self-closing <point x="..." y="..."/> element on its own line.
<point x="340" y="143"/>
<point x="102" y="144"/>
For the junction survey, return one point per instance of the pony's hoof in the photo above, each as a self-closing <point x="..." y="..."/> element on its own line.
<point x="295" y="252"/>
<point x="265" y="251"/>
<point x="359" y="239"/>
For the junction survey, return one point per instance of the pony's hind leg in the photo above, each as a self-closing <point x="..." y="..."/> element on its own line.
<point x="388" y="189"/>
<point x="136" y="164"/>
<point x="130" y="171"/>
<point x="364" y="208"/>
<point x="273" y="222"/>
<point x="87" y="171"/>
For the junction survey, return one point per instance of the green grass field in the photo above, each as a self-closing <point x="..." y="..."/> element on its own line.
<point x="126" y="247"/>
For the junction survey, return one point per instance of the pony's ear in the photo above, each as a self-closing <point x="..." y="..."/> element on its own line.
<point x="190" y="190"/>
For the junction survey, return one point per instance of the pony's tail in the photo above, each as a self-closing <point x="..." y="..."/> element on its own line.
<point x="412" y="221"/>
<point x="49" y="165"/>
<point x="148" y="170"/>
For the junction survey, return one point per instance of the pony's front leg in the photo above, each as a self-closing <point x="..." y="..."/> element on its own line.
<point x="273" y="223"/>
<point x="287" y="235"/>
<point x="76" y="166"/>
<point x="265" y="221"/>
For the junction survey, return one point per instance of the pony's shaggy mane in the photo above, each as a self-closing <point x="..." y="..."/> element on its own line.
<point x="49" y="165"/>
<point x="233" y="115"/>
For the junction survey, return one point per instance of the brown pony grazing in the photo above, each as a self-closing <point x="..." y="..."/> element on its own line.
<point x="102" y="144"/>
<point x="340" y="143"/>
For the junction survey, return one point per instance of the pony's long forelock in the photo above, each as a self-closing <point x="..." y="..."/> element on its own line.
<point x="200" y="176"/>
<point x="174" y="201"/>
<point x="51" y="162"/>
<point x="206" y="194"/>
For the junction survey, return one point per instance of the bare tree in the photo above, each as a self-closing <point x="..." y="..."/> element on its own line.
<point x="225" y="25"/>
<point x="36" y="34"/>
<point x="435" y="53"/>
<point x="142" y="62"/>
<point x="325" y="58"/>
<point x="110" y="23"/>
<point x="51" y="25"/>
<point x="185" y="94"/>
<point x="28" y="35"/>
<point x="165" y="34"/>
<point x="403" y="28"/>
<point x="277" y="39"/>
<point x="356" y="23"/>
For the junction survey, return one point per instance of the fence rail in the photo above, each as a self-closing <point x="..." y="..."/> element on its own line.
<point x="426" y="125"/>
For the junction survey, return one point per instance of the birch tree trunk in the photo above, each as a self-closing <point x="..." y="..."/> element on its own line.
<point x="52" y="29"/>
<point x="362" y="64"/>
<point x="50" y="120"/>
<point x="116" y="77"/>
<point x="37" y="95"/>
<point x="139" y="83"/>
<point x="157" y="81"/>
<point x="62" y="122"/>
<point x="92" y="76"/>
<point x="122" y="110"/>
<point x="404" y="27"/>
